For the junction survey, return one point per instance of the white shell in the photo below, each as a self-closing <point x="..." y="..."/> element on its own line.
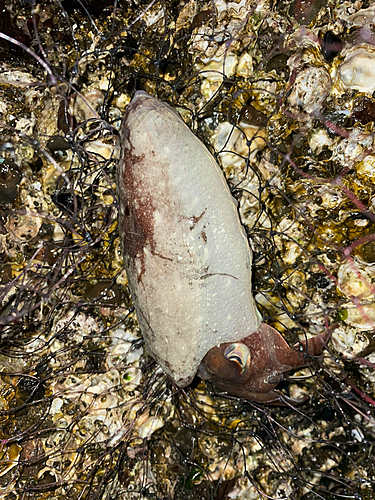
<point x="356" y="280"/>
<point x="306" y="94"/>
<point x="358" y="69"/>
<point x="185" y="251"/>
<point x="363" y="17"/>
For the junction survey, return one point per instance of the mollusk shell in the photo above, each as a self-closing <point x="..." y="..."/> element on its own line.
<point x="363" y="17"/>
<point x="185" y="251"/>
<point x="358" y="69"/>
<point x="356" y="280"/>
<point x="306" y="94"/>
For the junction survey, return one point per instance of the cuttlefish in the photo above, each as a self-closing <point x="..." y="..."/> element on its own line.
<point x="188" y="261"/>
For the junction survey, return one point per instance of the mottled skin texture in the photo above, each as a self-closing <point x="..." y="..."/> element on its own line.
<point x="188" y="261"/>
<point x="185" y="251"/>
<point x="270" y="358"/>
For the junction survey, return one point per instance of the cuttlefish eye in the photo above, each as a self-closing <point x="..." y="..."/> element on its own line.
<point x="240" y="354"/>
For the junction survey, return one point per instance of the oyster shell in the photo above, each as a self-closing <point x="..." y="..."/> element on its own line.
<point x="357" y="71"/>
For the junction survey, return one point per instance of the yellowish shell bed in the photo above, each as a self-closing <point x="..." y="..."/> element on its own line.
<point x="282" y="94"/>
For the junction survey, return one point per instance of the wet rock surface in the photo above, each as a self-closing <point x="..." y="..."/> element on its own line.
<point x="279" y="94"/>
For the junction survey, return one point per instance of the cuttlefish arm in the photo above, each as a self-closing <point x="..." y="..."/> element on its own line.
<point x="253" y="367"/>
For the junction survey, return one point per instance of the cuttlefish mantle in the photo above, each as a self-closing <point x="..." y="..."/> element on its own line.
<point x="188" y="261"/>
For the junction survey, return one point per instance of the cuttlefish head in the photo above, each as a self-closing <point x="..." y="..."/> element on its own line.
<point x="252" y="367"/>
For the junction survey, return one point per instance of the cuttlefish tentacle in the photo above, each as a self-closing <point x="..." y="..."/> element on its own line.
<point x="253" y="367"/>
